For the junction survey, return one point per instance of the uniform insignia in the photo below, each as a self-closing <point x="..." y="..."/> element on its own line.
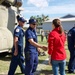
<point x="69" y="34"/>
<point x="17" y="30"/>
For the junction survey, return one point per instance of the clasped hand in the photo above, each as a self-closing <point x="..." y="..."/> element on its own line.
<point x="44" y="48"/>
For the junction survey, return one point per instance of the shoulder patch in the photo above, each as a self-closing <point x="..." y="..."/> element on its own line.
<point x="17" y="30"/>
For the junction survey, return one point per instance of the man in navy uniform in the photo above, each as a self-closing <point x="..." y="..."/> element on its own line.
<point x="71" y="47"/>
<point x="31" y="48"/>
<point x="17" y="50"/>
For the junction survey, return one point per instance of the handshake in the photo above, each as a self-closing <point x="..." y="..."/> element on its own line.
<point x="44" y="48"/>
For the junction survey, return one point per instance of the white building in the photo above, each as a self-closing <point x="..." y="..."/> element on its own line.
<point x="68" y="22"/>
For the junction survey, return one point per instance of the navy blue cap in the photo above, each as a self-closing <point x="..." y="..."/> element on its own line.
<point x="22" y="19"/>
<point x="31" y="21"/>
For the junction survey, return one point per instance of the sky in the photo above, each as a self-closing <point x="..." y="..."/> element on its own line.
<point x="52" y="8"/>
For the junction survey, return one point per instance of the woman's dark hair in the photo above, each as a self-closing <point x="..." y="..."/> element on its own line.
<point x="57" y="23"/>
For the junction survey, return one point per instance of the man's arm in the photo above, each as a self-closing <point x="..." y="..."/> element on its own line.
<point x="16" y="45"/>
<point x="32" y="42"/>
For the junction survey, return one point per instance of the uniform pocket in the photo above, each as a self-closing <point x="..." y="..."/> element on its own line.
<point x="27" y="55"/>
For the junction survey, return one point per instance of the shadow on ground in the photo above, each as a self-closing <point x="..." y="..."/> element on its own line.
<point x="46" y="72"/>
<point x="5" y="56"/>
<point x="19" y="74"/>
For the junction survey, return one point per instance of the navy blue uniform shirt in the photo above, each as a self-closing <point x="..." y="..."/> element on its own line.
<point x="30" y="34"/>
<point x="20" y="34"/>
<point x="71" y="37"/>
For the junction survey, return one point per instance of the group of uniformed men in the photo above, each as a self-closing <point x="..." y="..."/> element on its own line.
<point x="30" y="51"/>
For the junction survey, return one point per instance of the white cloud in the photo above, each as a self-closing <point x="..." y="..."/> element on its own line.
<point x="50" y="10"/>
<point x="39" y="3"/>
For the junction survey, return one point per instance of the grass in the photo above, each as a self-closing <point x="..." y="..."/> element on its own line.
<point x="4" y="65"/>
<point x="44" y="41"/>
<point x="47" y="70"/>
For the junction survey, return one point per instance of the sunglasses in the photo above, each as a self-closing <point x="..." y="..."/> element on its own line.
<point x="33" y="24"/>
<point x="22" y="21"/>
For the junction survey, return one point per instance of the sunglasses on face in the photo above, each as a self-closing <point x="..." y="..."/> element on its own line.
<point x="22" y="22"/>
<point x="33" y="24"/>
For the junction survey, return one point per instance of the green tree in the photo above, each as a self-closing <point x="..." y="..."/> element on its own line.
<point x="40" y="18"/>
